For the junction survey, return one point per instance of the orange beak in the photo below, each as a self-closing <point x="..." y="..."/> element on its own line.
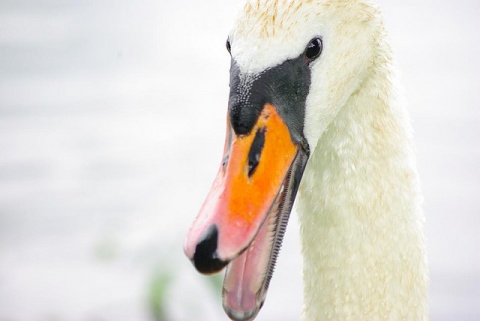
<point x="246" y="186"/>
<point x="243" y="219"/>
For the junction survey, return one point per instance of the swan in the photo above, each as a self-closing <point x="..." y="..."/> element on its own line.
<point x="314" y="107"/>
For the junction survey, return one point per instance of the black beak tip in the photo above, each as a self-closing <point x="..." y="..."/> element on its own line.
<point x="205" y="258"/>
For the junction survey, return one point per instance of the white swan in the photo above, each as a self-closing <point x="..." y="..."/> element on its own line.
<point x="312" y="91"/>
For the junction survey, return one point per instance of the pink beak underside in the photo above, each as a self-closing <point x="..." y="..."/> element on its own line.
<point x="243" y="286"/>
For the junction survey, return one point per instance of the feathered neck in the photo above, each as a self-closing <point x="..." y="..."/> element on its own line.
<point x="359" y="210"/>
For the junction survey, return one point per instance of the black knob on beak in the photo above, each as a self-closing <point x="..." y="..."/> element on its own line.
<point x="205" y="258"/>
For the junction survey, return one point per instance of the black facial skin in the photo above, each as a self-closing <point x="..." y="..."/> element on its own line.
<point x="285" y="86"/>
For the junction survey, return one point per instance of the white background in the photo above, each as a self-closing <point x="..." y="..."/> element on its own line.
<point x="112" y="118"/>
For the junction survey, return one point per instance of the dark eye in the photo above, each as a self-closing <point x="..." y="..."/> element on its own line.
<point x="229" y="47"/>
<point x="314" y="49"/>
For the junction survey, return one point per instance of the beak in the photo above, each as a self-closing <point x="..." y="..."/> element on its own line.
<point x="242" y="222"/>
<point x="243" y="219"/>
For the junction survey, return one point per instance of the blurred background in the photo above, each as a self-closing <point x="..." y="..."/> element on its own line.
<point x="105" y="156"/>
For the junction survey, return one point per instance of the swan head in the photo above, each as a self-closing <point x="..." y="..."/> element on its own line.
<point x="268" y="33"/>
<point x="294" y="64"/>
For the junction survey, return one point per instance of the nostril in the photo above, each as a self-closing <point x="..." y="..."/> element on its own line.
<point x="256" y="150"/>
<point x="205" y="258"/>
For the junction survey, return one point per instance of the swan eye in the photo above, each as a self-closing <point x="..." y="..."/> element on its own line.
<point x="314" y="49"/>
<point x="229" y="47"/>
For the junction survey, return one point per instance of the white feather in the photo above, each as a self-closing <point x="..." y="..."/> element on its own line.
<point x="359" y="202"/>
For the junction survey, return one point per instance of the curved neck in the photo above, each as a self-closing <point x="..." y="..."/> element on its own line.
<point x="360" y="216"/>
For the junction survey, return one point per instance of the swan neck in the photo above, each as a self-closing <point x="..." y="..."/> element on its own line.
<point x="359" y="212"/>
